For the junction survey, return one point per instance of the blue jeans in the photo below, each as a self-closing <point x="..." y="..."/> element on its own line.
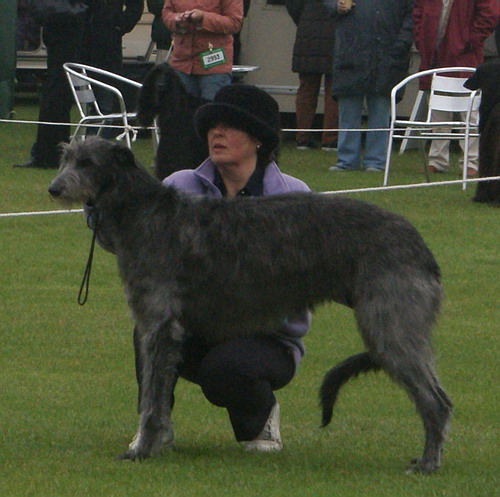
<point x="204" y="85"/>
<point x="349" y="142"/>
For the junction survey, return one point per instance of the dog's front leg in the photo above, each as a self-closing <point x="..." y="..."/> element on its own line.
<point x="160" y="353"/>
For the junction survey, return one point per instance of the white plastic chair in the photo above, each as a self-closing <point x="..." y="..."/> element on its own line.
<point x="447" y="94"/>
<point x="83" y="79"/>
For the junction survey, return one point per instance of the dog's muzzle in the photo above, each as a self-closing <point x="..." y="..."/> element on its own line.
<point x="54" y="190"/>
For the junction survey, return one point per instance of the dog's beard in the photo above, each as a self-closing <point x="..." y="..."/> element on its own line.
<point x="68" y="189"/>
<point x="69" y="203"/>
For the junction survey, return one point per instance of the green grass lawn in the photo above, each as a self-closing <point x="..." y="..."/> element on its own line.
<point x="68" y="390"/>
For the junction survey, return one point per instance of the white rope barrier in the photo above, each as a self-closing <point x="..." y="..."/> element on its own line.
<point x="134" y="129"/>
<point x="397" y="133"/>
<point x="328" y="130"/>
<point x="412" y="185"/>
<point x="332" y="192"/>
<point x="89" y="125"/>
<point x="284" y="130"/>
<point x="128" y="129"/>
<point x="40" y="213"/>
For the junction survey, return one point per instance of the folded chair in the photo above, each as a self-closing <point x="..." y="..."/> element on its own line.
<point x="447" y="94"/>
<point x="83" y="80"/>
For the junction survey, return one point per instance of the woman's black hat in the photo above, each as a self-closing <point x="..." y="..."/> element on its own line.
<point x="243" y="107"/>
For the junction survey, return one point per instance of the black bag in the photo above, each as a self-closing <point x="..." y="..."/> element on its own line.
<point x="57" y="11"/>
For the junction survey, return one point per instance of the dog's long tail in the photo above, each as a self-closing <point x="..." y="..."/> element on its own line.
<point x="338" y="376"/>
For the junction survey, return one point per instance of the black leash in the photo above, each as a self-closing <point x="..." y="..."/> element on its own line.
<point x="84" y="287"/>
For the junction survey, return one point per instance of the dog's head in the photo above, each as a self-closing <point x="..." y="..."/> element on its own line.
<point x="88" y="168"/>
<point x="160" y="92"/>
<point x="163" y="94"/>
<point x="487" y="79"/>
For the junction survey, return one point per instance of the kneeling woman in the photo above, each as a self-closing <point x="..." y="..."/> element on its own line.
<point x="242" y="129"/>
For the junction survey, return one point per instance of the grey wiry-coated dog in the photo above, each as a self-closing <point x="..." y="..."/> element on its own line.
<point x="222" y="268"/>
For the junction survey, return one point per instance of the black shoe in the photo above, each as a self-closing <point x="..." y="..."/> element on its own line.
<point x="303" y="145"/>
<point x="34" y="165"/>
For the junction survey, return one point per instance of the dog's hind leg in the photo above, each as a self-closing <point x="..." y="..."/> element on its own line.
<point x="434" y="407"/>
<point x="159" y="357"/>
<point x="395" y="321"/>
<point x="421" y="383"/>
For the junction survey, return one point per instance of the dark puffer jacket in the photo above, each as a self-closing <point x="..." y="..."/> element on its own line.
<point x="159" y="32"/>
<point x="313" y="48"/>
<point x="372" y="46"/>
<point x="122" y="15"/>
<point x="108" y="21"/>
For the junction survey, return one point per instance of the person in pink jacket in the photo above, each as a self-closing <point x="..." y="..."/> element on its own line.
<point x="203" y="42"/>
<point x="452" y="33"/>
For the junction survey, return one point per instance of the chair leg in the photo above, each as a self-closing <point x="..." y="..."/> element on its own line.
<point x="156" y="134"/>
<point x="423" y="153"/>
<point x="388" y="157"/>
<point x="76" y="133"/>
<point x="413" y="116"/>
<point x="466" y="160"/>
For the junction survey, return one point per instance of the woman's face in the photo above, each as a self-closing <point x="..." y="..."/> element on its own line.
<point x="230" y="146"/>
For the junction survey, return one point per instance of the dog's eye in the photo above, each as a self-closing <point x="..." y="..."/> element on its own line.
<point x="84" y="163"/>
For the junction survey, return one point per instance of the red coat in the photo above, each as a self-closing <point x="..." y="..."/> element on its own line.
<point x="469" y="24"/>
<point x="222" y="18"/>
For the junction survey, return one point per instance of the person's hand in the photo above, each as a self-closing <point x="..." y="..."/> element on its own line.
<point x="188" y="18"/>
<point x="194" y="16"/>
<point x="179" y="22"/>
<point x="343" y="7"/>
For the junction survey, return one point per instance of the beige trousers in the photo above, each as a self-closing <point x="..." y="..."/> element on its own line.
<point x="439" y="152"/>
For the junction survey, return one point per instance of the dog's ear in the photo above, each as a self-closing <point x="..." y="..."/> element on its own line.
<point x="148" y="105"/>
<point x="473" y="82"/>
<point x="66" y="151"/>
<point x="123" y="156"/>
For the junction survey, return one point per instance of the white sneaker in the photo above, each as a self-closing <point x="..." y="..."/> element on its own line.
<point x="329" y="147"/>
<point x="269" y="439"/>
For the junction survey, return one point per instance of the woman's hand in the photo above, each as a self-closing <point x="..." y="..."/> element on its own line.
<point x="194" y="16"/>
<point x="344" y="6"/>
<point x="188" y="19"/>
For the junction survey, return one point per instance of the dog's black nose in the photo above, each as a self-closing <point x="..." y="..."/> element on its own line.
<point x="54" y="191"/>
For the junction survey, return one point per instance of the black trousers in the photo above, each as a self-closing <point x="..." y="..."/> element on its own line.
<point x="102" y="48"/>
<point x="497" y="38"/>
<point x="62" y="42"/>
<point x="240" y="375"/>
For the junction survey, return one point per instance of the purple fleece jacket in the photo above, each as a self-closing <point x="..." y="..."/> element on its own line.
<point x="200" y="181"/>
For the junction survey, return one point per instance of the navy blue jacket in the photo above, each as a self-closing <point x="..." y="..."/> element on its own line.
<point x="313" y="47"/>
<point x="372" y="46"/>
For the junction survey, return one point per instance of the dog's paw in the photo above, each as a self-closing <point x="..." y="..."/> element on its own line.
<point x="133" y="455"/>
<point x="138" y="449"/>
<point x="165" y="440"/>
<point x="145" y="445"/>
<point x="422" y="466"/>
